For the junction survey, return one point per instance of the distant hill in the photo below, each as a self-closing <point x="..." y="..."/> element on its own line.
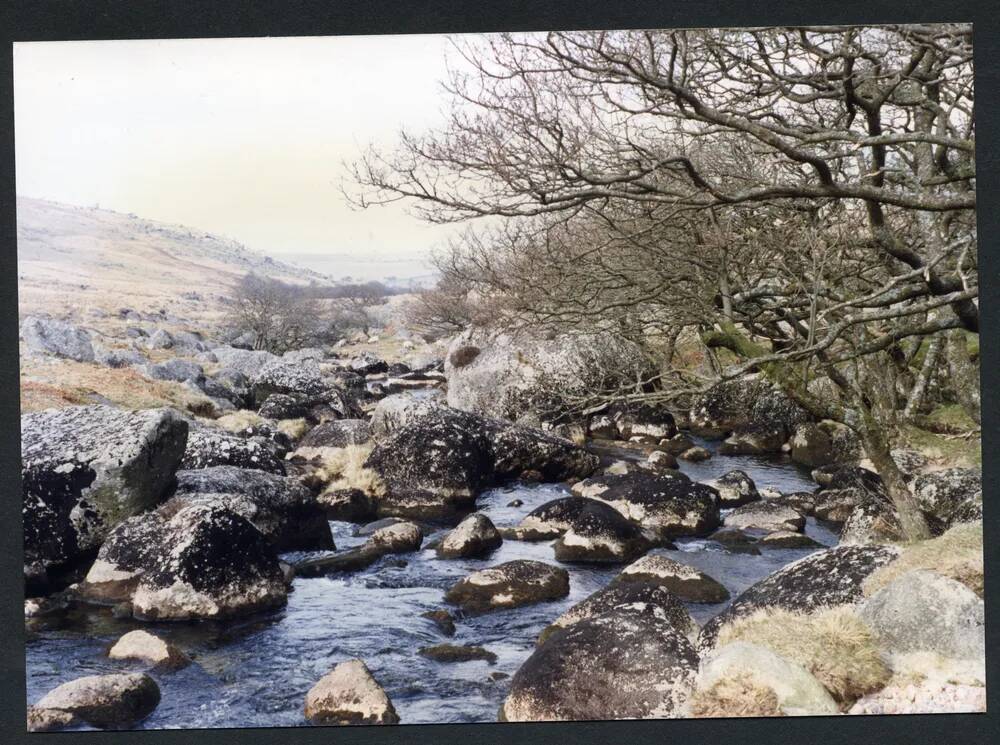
<point x="72" y="259"/>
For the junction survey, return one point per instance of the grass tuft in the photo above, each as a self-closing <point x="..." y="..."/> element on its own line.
<point x="737" y="696"/>
<point x="344" y="468"/>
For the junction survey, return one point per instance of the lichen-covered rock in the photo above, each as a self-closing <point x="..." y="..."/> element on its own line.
<point x="149" y="648"/>
<point x="397" y="538"/>
<point x="288" y="515"/>
<point x="667" y="503"/>
<point x="636" y="594"/>
<point x="525" y="376"/>
<point x="767" y="515"/>
<point x="949" y="496"/>
<point x="647" y="421"/>
<point x="686" y="582"/>
<point x="86" y="468"/>
<point x="230" y="384"/>
<point x="735" y="488"/>
<point x="736" y="541"/>
<point x="210" y="446"/>
<point x="203" y="561"/>
<point x="873" y="520"/>
<point x="176" y="370"/>
<point x="551" y="519"/>
<point x="104" y="700"/>
<point x="457" y="653"/>
<point x="282" y="376"/>
<point x="475" y="537"/>
<point x="924" y="697"/>
<point x="660" y="460"/>
<point x="117" y="358"/>
<point x="516" y="450"/>
<point x="598" y="533"/>
<point x="798" y="692"/>
<point x="921" y="611"/>
<point x="348" y="505"/>
<point x="58" y="338"/>
<point x="744" y="402"/>
<point x="788" y="539"/>
<point x="509" y="585"/>
<point x="338" y="434"/>
<point x="822" y="443"/>
<point x="349" y="695"/>
<point x="802" y="502"/>
<point x="695" y="454"/>
<point x="755" y="440"/>
<point x="368" y="364"/>
<point x="819" y="580"/>
<point x="629" y="663"/>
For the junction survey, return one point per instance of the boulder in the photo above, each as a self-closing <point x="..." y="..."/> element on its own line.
<point x="802" y="502"/>
<point x="517" y="450"/>
<point x="749" y="401"/>
<point x="551" y="519"/>
<point x="474" y="537"/>
<point x="735" y="489"/>
<point x="949" y="496"/>
<point x="629" y="663"/>
<point x="347" y="505"/>
<point x="647" y="421"/>
<point x="736" y="541"/>
<point x="924" y="697"/>
<point x="755" y="440"/>
<point x="176" y="370"/>
<point x="685" y="582"/>
<point x="629" y="595"/>
<point x="659" y="460"/>
<point x="368" y="364"/>
<point x="244" y="361"/>
<point x="695" y="454"/>
<point x="456" y="653"/>
<point x="86" y="468"/>
<point x="442" y="619"/>
<point x="148" y="648"/>
<point x="509" y="585"/>
<point x="797" y="691"/>
<point x="788" y="539"/>
<point x="210" y="446"/>
<point x="160" y="339"/>
<point x="104" y="701"/>
<point x="57" y="338"/>
<point x="202" y="562"/>
<point x="669" y="504"/>
<point x="677" y="444"/>
<point x="235" y="383"/>
<point x="921" y="611"/>
<point x="598" y="533"/>
<point x="282" y="376"/>
<point x="873" y="520"/>
<point x="823" y="443"/>
<point x="117" y="358"/>
<point x="767" y="515"/>
<point x="398" y="538"/>
<point x="819" y="580"/>
<point x="349" y="695"/>
<point x="338" y="434"/>
<point x="279" y="507"/>
<point x="525" y="376"/>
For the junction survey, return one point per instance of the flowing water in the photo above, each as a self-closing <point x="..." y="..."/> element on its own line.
<point x="256" y="671"/>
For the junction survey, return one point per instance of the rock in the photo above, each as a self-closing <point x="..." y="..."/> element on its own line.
<point x="209" y="446"/>
<point x="525" y="376"/>
<point x="49" y="720"/>
<point x="735" y="489"/>
<point x="370" y="528"/>
<point x="348" y="505"/>
<point x="819" y="580"/>
<point x="551" y="519"/>
<point x="177" y="370"/>
<point x="695" y="454"/>
<point x="667" y="504"/>
<point x="823" y="443"/>
<point x="755" y="440"/>
<point x="279" y="507"/>
<point x="117" y="358"/>
<point x="744" y="402"/>
<point x="650" y="422"/>
<point x="630" y="663"/>
<point x="798" y="692"/>
<point x="788" y="539"/>
<point x="282" y="376"/>
<point x="684" y="581"/>
<point x="517" y="450"/>
<point x="661" y="461"/>
<point x="634" y="594"/>
<point x="598" y="533"/>
<point x="349" y="695"/>
<point x="149" y="648"/>
<point x="923" y="611"/>
<point x="801" y="501"/>
<point x="769" y="516"/>
<point x="160" y="339"/>
<point x="735" y="541"/>
<point x="303" y="355"/>
<point x="202" y="562"/>
<point x="86" y="468"/>
<point x="244" y="361"/>
<point x="368" y="364"/>
<point x="104" y="701"/>
<point x="509" y="585"/>
<point x="235" y="384"/>
<point x="602" y="427"/>
<point x="836" y="505"/>
<point x="338" y="434"/>
<point x="397" y="538"/>
<point x="925" y="697"/>
<point x="516" y="503"/>
<point x="456" y="653"/>
<point x="285" y="406"/>
<point x="949" y="496"/>
<point x="442" y="619"/>
<point x="58" y="338"/>
<point x="873" y="520"/>
<point x="475" y="537"/>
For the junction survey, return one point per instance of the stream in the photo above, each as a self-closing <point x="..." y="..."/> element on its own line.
<point x="255" y="672"/>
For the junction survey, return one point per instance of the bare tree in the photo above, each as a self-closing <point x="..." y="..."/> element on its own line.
<point x="280" y="316"/>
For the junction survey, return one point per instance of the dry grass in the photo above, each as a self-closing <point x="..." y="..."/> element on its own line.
<point x="957" y="554"/>
<point x="833" y="644"/>
<point x="344" y="468"/>
<point x="293" y="429"/>
<point x="238" y="421"/>
<point x="738" y="696"/>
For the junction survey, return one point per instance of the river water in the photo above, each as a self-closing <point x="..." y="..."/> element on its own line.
<point x="255" y="672"/>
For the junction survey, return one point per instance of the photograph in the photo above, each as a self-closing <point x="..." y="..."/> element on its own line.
<point x="500" y="377"/>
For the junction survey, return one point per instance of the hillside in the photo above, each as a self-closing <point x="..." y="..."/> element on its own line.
<point x="75" y="261"/>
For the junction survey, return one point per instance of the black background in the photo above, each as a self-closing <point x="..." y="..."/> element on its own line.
<point x="50" y="20"/>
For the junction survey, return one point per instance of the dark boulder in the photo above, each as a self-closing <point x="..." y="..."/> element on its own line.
<point x="686" y="582"/>
<point x="509" y="585"/>
<point x="949" y="496"/>
<point x="209" y="446"/>
<point x="102" y="701"/>
<point x="338" y="434"/>
<point x="456" y="653"/>
<point x="735" y="489"/>
<point x="750" y="401"/>
<point x="474" y="537"/>
<point x="755" y="440"/>
<point x="348" y="505"/>
<point x="768" y="515"/>
<point x="57" y="338"/>
<point x="598" y="533"/>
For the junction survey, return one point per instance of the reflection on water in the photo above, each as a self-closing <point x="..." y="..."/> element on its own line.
<point x="255" y="672"/>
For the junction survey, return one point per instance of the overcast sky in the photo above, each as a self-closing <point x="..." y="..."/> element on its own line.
<point x="243" y="137"/>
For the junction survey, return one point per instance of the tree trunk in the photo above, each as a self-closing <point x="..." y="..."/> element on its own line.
<point x="964" y="375"/>
<point x="916" y="399"/>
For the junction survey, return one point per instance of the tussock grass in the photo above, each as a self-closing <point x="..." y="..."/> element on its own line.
<point x="294" y="429"/>
<point x="238" y="421"/>
<point x="737" y="696"/>
<point x="957" y="554"/>
<point x="833" y="644"/>
<point x="344" y="468"/>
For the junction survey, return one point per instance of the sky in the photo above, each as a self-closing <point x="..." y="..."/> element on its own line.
<point x="242" y="137"/>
